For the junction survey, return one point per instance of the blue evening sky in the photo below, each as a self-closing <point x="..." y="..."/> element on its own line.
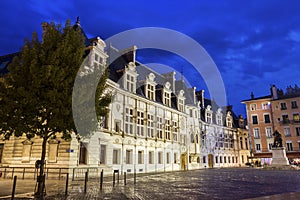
<point x="253" y="43"/>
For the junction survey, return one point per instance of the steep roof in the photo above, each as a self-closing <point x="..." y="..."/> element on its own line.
<point x="117" y="68"/>
<point x="188" y="94"/>
<point x="77" y="26"/>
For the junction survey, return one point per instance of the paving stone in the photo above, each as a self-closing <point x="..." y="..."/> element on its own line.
<point x="236" y="183"/>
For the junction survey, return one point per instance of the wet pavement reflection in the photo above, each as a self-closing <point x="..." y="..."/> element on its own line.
<point x="218" y="184"/>
<point x="225" y="183"/>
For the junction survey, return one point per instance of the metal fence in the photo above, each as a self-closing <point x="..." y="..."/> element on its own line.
<point x="50" y="173"/>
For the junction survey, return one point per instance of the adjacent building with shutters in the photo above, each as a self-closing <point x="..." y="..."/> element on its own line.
<point x="277" y="111"/>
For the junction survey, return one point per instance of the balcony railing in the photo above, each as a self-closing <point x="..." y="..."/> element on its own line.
<point x="284" y="122"/>
<point x="295" y="121"/>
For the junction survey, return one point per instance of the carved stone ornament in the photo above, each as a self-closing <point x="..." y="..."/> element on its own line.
<point x="151" y="77"/>
<point x="181" y="93"/>
<point x="54" y="141"/>
<point x="131" y="66"/>
<point x="101" y="42"/>
<point x="27" y="142"/>
<point x="167" y="85"/>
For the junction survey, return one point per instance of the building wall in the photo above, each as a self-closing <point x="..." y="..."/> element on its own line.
<point x="284" y="117"/>
<point x="259" y="108"/>
<point x="21" y="152"/>
<point x="192" y="143"/>
<point x="291" y="124"/>
<point x="244" y="146"/>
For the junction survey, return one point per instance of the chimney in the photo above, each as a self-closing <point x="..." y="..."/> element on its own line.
<point x="274" y="92"/>
<point x="171" y="78"/>
<point x="227" y="108"/>
<point x="192" y="91"/>
<point x="200" y="97"/>
<point x="252" y="95"/>
<point x="129" y="53"/>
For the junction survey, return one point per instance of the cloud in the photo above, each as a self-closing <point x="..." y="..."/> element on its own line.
<point x="253" y="43"/>
<point x="294" y="35"/>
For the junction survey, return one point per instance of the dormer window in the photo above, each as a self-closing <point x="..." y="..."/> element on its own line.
<point x="208" y="117"/>
<point x="98" y="59"/>
<point x="150" y="92"/>
<point x="208" y="114"/>
<point x="167" y="98"/>
<point x="181" y="105"/>
<point x="180" y="101"/>
<point x="150" y="87"/>
<point x="219" y="117"/>
<point x="130" y="83"/>
<point x="130" y="78"/>
<point x="98" y="55"/>
<point x="167" y="94"/>
<point x="229" y="120"/>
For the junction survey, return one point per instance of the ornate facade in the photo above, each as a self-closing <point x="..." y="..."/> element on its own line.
<point x="154" y="123"/>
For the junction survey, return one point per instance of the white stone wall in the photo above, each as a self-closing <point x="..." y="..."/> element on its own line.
<point x="188" y="155"/>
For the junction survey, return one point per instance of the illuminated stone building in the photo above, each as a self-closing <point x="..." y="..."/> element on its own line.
<point x="277" y="111"/>
<point x="154" y="123"/>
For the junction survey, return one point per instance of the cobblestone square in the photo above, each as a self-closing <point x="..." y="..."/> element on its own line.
<point x="234" y="183"/>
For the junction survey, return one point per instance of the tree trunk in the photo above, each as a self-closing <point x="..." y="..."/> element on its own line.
<point x="41" y="179"/>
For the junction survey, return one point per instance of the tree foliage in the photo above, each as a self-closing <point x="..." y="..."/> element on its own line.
<point x="36" y="94"/>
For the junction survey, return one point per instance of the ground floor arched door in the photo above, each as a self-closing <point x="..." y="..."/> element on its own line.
<point x="183" y="161"/>
<point x="210" y="160"/>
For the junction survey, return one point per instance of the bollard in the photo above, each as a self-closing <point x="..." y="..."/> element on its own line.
<point x="67" y="184"/>
<point x="124" y="178"/>
<point x="14" y="188"/>
<point x="12" y="172"/>
<point x="34" y="175"/>
<point x="59" y="173"/>
<point x="101" y="179"/>
<point x="42" y="178"/>
<point x="114" y="180"/>
<point x="134" y="177"/>
<point x="118" y="177"/>
<point x="23" y="173"/>
<point x="85" y="181"/>
<point x="73" y="177"/>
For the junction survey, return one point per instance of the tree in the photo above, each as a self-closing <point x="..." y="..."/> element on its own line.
<point x="36" y="94"/>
